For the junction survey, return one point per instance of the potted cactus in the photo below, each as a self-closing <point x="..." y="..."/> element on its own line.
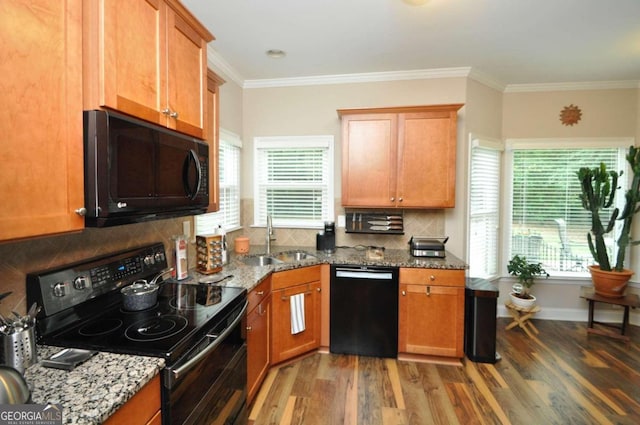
<point x="599" y="187"/>
<point x="526" y="273"/>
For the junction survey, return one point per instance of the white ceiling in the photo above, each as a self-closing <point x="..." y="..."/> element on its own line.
<point x="508" y="42"/>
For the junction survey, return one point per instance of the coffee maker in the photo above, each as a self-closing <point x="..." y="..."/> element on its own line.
<point x="326" y="239"/>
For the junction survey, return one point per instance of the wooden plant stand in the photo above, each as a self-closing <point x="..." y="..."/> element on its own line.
<point x="521" y="317"/>
<point x="630" y="300"/>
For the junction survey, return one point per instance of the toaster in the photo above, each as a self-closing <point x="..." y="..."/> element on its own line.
<point x="421" y="246"/>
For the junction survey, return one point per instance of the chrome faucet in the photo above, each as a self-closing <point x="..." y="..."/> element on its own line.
<point x="269" y="234"/>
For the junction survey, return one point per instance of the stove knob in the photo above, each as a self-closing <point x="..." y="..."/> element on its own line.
<point x="80" y="282"/>
<point x="148" y="260"/>
<point x="159" y="257"/>
<point x="58" y="289"/>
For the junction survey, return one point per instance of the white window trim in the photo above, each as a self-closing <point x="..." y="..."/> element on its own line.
<point x="324" y="141"/>
<point x="476" y="140"/>
<point x="545" y="143"/>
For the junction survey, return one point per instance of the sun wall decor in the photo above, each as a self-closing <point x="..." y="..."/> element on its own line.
<point x="570" y="115"/>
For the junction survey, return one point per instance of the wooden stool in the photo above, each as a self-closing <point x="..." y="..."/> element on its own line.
<point x="521" y="317"/>
<point x="630" y="300"/>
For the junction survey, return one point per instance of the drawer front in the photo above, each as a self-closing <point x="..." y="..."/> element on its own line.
<point x="440" y="277"/>
<point x="293" y="277"/>
<point x="259" y="293"/>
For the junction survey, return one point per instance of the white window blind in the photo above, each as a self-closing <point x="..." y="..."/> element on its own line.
<point x="293" y="180"/>
<point x="548" y="223"/>
<point x="228" y="216"/>
<point x="484" y="211"/>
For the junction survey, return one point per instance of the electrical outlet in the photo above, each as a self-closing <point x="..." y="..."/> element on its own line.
<point x="341" y="221"/>
<point x="186" y="230"/>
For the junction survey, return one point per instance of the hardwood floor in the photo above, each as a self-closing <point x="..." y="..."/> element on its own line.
<point x="561" y="376"/>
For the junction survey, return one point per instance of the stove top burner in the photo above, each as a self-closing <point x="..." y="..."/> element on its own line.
<point x="156" y="328"/>
<point x="100" y="328"/>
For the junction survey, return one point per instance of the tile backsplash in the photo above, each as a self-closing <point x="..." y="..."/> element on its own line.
<point x="19" y="258"/>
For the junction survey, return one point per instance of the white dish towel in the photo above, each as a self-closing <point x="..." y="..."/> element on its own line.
<point x="296" y="303"/>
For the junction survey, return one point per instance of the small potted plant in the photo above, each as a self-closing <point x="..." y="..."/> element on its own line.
<point x="526" y="273"/>
<point x="599" y="187"/>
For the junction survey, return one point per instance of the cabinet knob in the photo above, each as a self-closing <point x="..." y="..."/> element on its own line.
<point x="249" y="328"/>
<point x="318" y="289"/>
<point x="173" y="114"/>
<point x="404" y="293"/>
<point x="165" y="111"/>
<point x="400" y="199"/>
<point x="393" y="199"/>
<point x="81" y="211"/>
<point x="432" y="278"/>
<point x="428" y="291"/>
<point x="260" y="292"/>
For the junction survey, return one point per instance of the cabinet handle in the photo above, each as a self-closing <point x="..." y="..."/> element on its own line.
<point x="285" y="297"/>
<point x="428" y="291"/>
<point x="260" y="292"/>
<point x="173" y="114"/>
<point x="404" y="293"/>
<point x="249" y="328"/>
<point x="166" y="111"/>
<point x="81" y="211"/>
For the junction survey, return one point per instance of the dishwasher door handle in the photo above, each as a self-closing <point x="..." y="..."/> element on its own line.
<point x="364" y="274"/>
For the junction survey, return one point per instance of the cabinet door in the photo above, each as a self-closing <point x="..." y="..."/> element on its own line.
<point x="125" y="66"/>
<point x="285" y="345"/>
<point x="369" y="160"/>
<point x="211" y="129"/>
<point x="187" y="76"/>
<point x="258" y="326"/>
<point x="41" y="176"/>
<point x="431" y="320"/>
<point x="427" y="159"/>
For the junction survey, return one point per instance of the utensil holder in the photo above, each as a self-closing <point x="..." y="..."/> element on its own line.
<point x="19" y="349"/>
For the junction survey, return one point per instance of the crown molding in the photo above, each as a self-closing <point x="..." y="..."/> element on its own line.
<point x="368" y="77"/>
<point x="586" y="85"/>
<point x="214" y="60"/>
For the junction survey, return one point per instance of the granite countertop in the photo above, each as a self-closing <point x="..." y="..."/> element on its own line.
<point x="95" y="389"/>
<point x="236" y="273"/>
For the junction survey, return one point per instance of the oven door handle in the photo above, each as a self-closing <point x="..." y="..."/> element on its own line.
<point x="175" y="374"/>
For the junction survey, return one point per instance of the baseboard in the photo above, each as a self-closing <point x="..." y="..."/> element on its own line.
<point x="579" y="315"/>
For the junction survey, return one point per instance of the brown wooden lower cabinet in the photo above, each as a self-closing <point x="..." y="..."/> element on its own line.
<point x="284" y="344"/>
<point x="431" y="312"/>
<point x="142" y="409"/>
<point x="258" y="337"/>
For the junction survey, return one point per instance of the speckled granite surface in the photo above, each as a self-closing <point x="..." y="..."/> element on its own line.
<point x="95" y="389"/>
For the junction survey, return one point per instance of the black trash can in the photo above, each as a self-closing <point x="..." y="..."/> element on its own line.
<point x="480" y="313"/>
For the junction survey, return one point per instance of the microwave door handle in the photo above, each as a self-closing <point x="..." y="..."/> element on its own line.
<point x="192" y="156"/>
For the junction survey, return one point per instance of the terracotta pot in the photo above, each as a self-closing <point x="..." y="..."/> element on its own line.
<point x="610" y="284"/>
<point x="521" y="302"/>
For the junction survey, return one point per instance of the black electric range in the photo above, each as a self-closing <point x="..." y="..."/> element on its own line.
<point x="83" y="306"/>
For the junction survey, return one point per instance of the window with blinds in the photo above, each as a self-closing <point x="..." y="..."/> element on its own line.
<point x="548" y="223"/>
<point x="228" y="216"/>
<point x="484" y="211"/>
<point x="293" y="180"/>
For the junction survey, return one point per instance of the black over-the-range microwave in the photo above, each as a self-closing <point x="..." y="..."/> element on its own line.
<point x="136" y="171"/>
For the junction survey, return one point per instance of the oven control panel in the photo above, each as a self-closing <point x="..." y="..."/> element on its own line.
<point x="67" y="286"/>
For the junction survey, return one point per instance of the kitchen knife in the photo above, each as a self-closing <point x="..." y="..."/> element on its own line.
<point x="385" y="228"/>
<point x="385" y="217"/>
<point x="385" y="223"/>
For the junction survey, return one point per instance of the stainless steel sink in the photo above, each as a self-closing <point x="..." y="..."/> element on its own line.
<point x="293" y="256"/>
<point x="260" y="260"/>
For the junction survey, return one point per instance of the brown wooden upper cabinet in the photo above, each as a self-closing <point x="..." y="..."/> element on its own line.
<point x="41" y="183"/>
<point x="212" y="136"/>
<point x="399" y="157"/>
<point x="147" y="59"/>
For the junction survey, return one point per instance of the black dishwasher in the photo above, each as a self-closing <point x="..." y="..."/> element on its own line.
<point x="364" y="310"/>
